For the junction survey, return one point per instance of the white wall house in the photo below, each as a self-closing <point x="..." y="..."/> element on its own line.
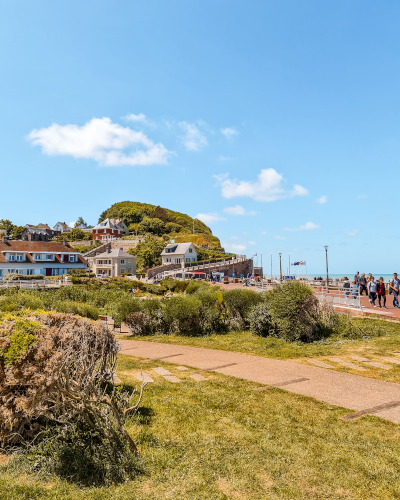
<point x="176" y="253"/>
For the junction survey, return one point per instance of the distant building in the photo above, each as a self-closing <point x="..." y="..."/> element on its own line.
<point x="38" y="257"/>
<point x="63" y="227"/>
<point x="38" y="234"/>
<point x="121" y="224"/>
<point x="107" y="230"/>
<point x="112" y="263"/>
<point x="176" y="253"/>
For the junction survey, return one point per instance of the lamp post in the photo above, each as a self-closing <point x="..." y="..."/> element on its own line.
<point x="289" y="273"/>
<point x="271" y="267"/>
<point x="280" y="265"/>
<point x="327" y="273"/>
<point x="261" y="267"/>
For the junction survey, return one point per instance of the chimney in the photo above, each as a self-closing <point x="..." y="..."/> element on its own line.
<point x="5" y="240"/>
<point x="65" y="243"/>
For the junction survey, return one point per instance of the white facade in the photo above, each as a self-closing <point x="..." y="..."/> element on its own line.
<point x="177" y="253"/>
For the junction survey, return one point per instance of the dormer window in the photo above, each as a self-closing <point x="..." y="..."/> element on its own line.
<point x="37" y="256"/>
<point x="72" y="258"/>
<point x="49" y="257"/>
<point x="11" y="258"/>
<point x="20" y="257"/>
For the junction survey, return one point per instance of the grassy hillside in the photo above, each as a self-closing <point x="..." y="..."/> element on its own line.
<point x="133" y="212"/>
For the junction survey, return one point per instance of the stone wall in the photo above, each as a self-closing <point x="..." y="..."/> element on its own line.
<point x="168" y="267"/>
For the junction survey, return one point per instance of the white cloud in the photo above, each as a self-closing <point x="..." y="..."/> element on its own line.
<point x="193" y="139"/>
<point x="308" y="226"/>
<point x="229" y="132"/>
<point x="322" y="199"/>
<point x="234" y="247"/>
<point x="352" y="233"/>
<point x="279" y="237"/>
<point x="252" y="243"/>
<point x="135" y="118"/>
<point x="102" y="141"/>
<point x="225" y="158"/>
<point x="263" y="232"/>
<point x="238" y="210"/>
<point x="209" y="217"/>
<point x="267" y="187"/>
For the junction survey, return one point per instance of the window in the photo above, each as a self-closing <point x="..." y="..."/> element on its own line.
<point x="72" y="258"/>
<point x="37" y="256"/>
<point x="190" y="250"/>
<point x="49" y="257"/>
<point x="109" y="261"/>
<point x="29" y="272"/>
<point x="122" y="261"/>
<point x="11" y="258"/>
<point x="100" y="262"/>
<point x="19" y="257"/>
<point x="128" y="261"/>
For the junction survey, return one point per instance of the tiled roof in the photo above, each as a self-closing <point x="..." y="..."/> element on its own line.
<point x="30" y="247"/>
<point x="118" y="252"/>
<point x="180" y="248"/>
<point x="64" y="226"/>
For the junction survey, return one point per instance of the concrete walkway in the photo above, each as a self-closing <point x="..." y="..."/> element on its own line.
<point x="364" y="395"/>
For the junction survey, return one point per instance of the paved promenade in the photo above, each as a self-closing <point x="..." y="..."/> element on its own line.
<point x="361" y="394"/>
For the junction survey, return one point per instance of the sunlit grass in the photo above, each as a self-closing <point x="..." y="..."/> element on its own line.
<point x="221" y="439"/>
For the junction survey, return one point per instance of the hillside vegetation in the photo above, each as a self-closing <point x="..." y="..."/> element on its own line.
<point x="133" y="212"/>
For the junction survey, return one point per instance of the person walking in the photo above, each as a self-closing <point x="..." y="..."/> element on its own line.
<point x="346" y="287"/>
<point x="372" y="289"/>
<point x="394" y="286"/>
<point x="363" y="284"/>
<point x="354" y="289"/>
<point x="357" y="278"/>
<point x="381" y="293"/>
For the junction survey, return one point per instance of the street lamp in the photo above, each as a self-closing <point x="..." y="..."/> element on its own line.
<point x="327" y="273"/>
<point x="289" y="273"/>
<point x="280" y="265"/>
<point x="271" y="267"/>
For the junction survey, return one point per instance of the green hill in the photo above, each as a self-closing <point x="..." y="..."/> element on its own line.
<point x="143" y="217"/>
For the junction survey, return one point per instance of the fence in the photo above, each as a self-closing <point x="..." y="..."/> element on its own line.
<point x="188" y="267"/>
<point x="32" y="284"/>
<point x="335" y="294"/>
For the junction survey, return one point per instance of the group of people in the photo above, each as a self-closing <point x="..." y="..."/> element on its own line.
<point x="373" y="289"/>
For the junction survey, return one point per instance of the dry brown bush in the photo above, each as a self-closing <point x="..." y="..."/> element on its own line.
<point x="66" y="373"/>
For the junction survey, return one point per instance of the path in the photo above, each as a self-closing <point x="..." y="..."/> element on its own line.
<point x="337" y="388"/>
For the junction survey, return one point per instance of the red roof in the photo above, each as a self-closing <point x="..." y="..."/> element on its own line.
<point x="30" y="247"/>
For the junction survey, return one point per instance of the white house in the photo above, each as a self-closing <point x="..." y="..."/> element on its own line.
<point x="38" y="257"/>
<point x="63" y="227"/>
<point x="107" y="230"/>
<point x="176" y="253"/>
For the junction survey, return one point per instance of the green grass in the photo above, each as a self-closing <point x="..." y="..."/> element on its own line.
<point x="382" y="338"/>
<point x="377" y="333"/>
<point x="220" y="439"/>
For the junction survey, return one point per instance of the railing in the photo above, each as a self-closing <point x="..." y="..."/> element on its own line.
<point x="31" y="284"/>
<point x="205" y="265"/>
<point x="335" y="294"/>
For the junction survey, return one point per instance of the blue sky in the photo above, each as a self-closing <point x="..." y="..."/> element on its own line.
<point x="277" y="121"/>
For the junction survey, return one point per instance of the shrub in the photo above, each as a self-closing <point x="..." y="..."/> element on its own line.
<point x="125" y="307"/>
<point x="139" y="323"/>
<point x="57" y="376"/>
<point x="298" y="313"/>
<point x="239" y="303"/>
<point x="182" y="314"/>
<point x="261" y="323"/>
